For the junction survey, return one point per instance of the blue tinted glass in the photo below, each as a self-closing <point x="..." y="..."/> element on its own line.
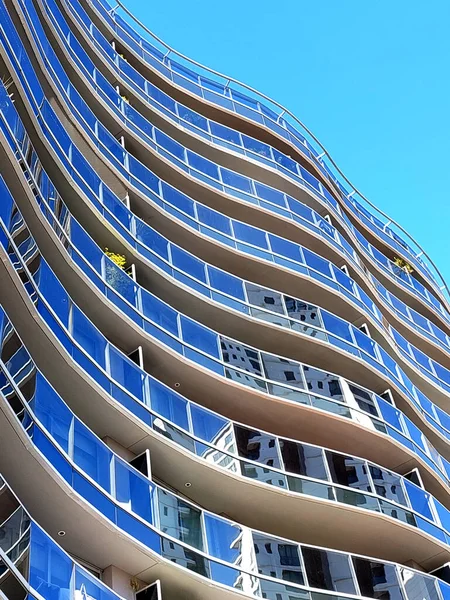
<point x="199" y="337"/>
<point x="50" y="567"/>
<point x="207" y="425"/>
<point x="126" y="373"/>
<point x="214" y="219"/>
<point x="270" y="194"/>
<point x="88" y="336"/>
<point x="52" y="412"/>
<point x="337" y="326"/>
<point x="91" y="455"/>
<point x="87" y="586"/>
<point x="160" y="313"/>
<point x="202" y="164"/>
<point x="225" y="133"/>
<point x="188" y="263"/>
<point x="52" y="289"/>
<point x="237" y="181"/>
<point x="133" y="490"/>
<point x="221" y="537"/>
<point x="176" y="198"/>
<point x="229" y="284"/>
<point x="317" y="262"/>
<point x="247" y="233"/>
<point x="420" y="500"/>
<point x="286" y="248"/>
<point x="168" y="404"/>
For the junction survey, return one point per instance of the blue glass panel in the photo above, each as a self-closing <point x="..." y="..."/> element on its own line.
<point x="51" y="288"/>
<point x="270" y="194"/>
<point x="50" y="568"/>
<point x="214" y="219"/>
<point x="168" y="404"/>
<point x="207" y="425"/>
<point x="54" y="457"/>
<point x="126" y="373"/>
<point x="138" y="531"/>
<point x="202" y="164"/>
<point x="252" y="235"/>
<point x="94" y="496"/>
<point x="88" y="586"/>
<point x="317" y="262"/>
<point x="198" y="336"/>
<point x="88" y="336"/>
<point x="286" y="248"/>
<point x="221" y="537"/>
<point x="226" y="283"/>
<point x="91" y="455"/>
<point x="337" y="326"/>
<point x="52" y="412"/>
<point x="420" y="500"/>
<point x="176" y="198"/>
<point x="133" y="490"/>
<point x="188" y="263"/>
<point x="237" y="181"/>
<point x="160" y="313"/>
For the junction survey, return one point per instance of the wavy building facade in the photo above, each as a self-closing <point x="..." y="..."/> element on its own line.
<point x="224" y="373"/>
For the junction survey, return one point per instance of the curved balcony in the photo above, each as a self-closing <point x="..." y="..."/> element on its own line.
<point x="329" y="324"/>
<point x="169" y="526"/>
<point x="207" y="171"/>
<point x="420" y="330"/>
<point x="220" y="138"/>
<point x="110" y="374"/>
<point x="32" y="565"/>
<point x="329" y="478"/>
<point x="219" y="91"/>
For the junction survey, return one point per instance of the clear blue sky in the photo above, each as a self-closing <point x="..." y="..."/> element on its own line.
<point x="370" y="79"/>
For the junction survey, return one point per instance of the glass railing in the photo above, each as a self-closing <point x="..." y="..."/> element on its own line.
<point x="171" y="527"/>
<point x="201" y="220"/>
<point x="128" y="384"/>
<point x="278" y="462"/>
<point x="213" y="132"/>
<point x="241" y="187"/>
<point x="141" y="307"/>
<point x="32" y="565"/>
<point x="222" y="91"/>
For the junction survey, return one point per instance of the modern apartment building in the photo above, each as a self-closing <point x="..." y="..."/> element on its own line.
<point x="224" y="373"/>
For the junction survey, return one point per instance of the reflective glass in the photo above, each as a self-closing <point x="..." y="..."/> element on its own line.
<point x="180" y="519"/>
<point x="257" y="446"/>
<point x="418" y="585"/>
<point x="303" y="459"/>
<point x="283" y="370"/>
<point x="91" y="455"/>
<point x="277" y="559"/>
<point x="328" y="570"/>
<point x="323" y="383"/>
<point x="223" y="539"/>
<point x="348" y="471"/>
<point x="377" y="580"/>
<point x="387" y="484"/>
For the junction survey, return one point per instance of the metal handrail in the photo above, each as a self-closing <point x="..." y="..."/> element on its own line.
<point x="285" y="111"/>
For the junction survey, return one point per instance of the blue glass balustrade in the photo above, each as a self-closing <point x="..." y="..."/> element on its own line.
<point x="260" y="456"/>
<point x="130" y="385"/>
<point x="310" y="258"/>
<point x="148" y="311"/>
<point x="215" y="132"/>
<point x="32" y="565"/>
<point x="223" y="93"/>
<point x="180" y="531"/>
<point x="196" y="165"/>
